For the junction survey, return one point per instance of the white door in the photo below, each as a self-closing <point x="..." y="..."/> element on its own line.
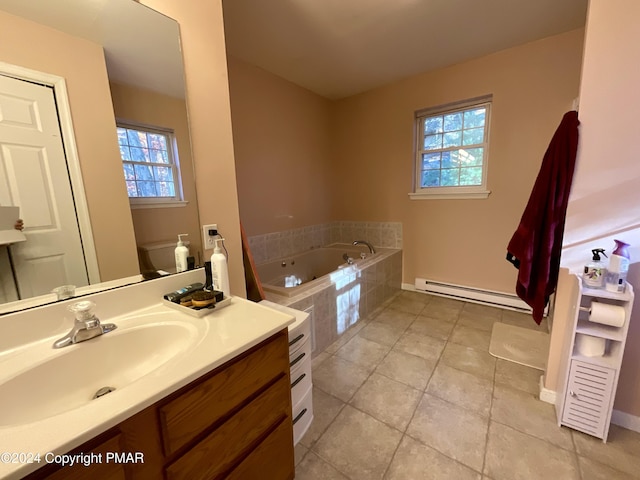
<point x="34" y="177"/>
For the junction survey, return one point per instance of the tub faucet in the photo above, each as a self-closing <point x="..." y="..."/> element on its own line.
<point x="85" y="326"/>
<point x="371" y="249"/>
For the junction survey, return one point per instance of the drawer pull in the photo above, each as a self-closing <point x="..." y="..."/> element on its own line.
<point x="573" y="394"/>
<point x="297" y="339"/>
<point x="298" y="358"/>
<point x="298" y="380"/>
<point x="300" y="415"/>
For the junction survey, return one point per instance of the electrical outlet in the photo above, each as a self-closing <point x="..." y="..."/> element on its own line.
<point x="209" y="243"/>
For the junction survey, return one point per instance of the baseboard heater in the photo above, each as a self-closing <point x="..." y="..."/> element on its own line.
<point x="470" y="294"/>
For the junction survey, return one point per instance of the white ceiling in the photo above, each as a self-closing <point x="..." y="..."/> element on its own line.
<point x="338" y="48"/>
<point x="141" y="46"/>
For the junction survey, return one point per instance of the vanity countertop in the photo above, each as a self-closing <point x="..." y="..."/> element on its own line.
<point x="219" y="337"/>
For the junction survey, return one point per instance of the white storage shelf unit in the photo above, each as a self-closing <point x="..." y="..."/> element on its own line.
<point x="588" y="383"/>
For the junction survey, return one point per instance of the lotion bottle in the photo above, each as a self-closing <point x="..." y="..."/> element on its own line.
<point x="181" y="252"/>
<point x="220" y="270"/>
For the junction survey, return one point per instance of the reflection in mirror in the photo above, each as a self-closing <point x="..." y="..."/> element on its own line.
<point x="107" y="199"/>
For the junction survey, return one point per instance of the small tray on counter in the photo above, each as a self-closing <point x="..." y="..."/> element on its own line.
<point x="198" y="312"/>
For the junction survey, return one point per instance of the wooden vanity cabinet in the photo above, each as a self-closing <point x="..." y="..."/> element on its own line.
<point x="234" y="422"/>
<point x="109" y="442"/>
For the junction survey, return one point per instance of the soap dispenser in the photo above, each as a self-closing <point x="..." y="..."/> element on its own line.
<point x="181" y="252"/>
<point x="594" y="271"/>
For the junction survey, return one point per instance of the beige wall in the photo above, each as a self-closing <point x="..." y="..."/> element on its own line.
<point x="81" y="64"/>
<point x="281" y="141"/>
<point x="606" y="187"/>
<point x="203" y="48"/>
<point x="290" y="170"/>
<point x="154" y="225"/>
<point x="457" y="241"/>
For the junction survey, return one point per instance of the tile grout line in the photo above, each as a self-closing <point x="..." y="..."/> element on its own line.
<point x="493" y="390"/>
<point x="575" y="453"/>
<point x="491" y="420"/>
<point x="347" y="403"/>
<point x="374" y="371"/>
<point x="302" y="459"/>
<point x="532" y="436"/>
<point x="404" y="432"/>
<point x="423" y="391"/>
<point x="446" y="401"/>
<point x="325" y="429"/>
<point x="365" y="381"/>
<point x="377" y="364"/>
<point x="344" y="404"/>
<point x="315" y="442"/>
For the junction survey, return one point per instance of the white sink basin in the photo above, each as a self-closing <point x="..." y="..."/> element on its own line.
<point x="72" y="375"/>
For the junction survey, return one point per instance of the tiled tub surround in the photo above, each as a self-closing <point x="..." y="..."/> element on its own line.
<point x="342" y="298"/>
<point x="272" y="246"/>
<point x="291" y="275"/>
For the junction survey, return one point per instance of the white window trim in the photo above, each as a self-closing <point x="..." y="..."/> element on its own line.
<point x="453" y="193"/>
<point x="158" y="202"/>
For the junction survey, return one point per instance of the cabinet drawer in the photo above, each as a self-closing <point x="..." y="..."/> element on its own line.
<point x="102" y="470"/>
<point x="300" y="380"/>
<point x="235" y="436"/>
<point x="226" y="390"/>
<point x="297" y="359"/>
<point x="588" y="398"/>
<point x="298" y="337"/>
<point x="272" y="459"/>
<point x="302" y="415"/>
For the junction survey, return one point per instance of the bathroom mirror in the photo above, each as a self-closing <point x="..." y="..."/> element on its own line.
<point x="145" y="92"/>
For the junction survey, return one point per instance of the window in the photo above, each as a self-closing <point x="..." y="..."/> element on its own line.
<point x="451" y="151"/>
<point x="150" y="164"/>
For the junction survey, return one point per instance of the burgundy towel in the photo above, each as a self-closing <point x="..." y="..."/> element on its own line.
<point x="535" y="246"/>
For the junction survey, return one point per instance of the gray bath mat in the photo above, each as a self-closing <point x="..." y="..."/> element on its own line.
<point x="519" y="345"/>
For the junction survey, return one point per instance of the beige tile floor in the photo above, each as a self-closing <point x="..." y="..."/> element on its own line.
<point x="413" y="393"/>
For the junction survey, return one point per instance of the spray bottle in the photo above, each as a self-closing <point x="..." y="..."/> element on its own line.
<point x="594" y="271"/>
<point x="616" y="279"/>
<point x="181" y="252"/>
<point x="219" y="269"/>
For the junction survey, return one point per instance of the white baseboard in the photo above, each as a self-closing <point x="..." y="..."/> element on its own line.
<point x="546" y="395"/>
<point x="625" y="420"/>
<point x="469" y="294"/>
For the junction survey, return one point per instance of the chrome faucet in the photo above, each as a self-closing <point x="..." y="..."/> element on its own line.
<point x="371" y="249"/>
<point x="85" y="326"/>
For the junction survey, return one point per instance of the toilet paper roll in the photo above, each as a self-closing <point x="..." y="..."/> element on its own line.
<point x="590" y="346"/>
<point x="606" y="314"/>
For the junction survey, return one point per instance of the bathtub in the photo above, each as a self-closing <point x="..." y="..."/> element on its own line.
<point x="293" y="275"/>
<point x="335" y="294"/>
